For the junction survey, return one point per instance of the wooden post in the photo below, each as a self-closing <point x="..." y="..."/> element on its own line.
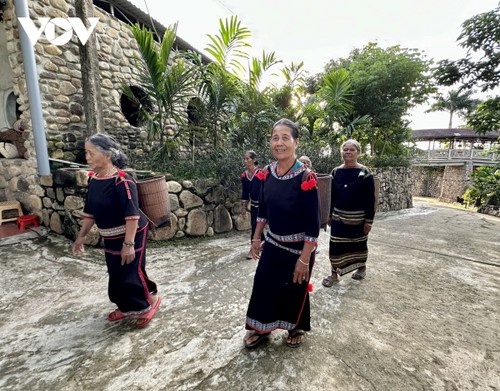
<point x="90" y="72"/>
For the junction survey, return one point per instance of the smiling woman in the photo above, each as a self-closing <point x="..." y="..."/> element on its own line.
<point x="280" y="295"/>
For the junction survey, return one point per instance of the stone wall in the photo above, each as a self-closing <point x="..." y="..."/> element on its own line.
<point x="60" y="81"/>
<point x="198" y="208"/>
<point x="490" y="210"/>
<point x="447" y="183"/>
<point x="427" y="181"/>
<point x="395" y="190"/>
<point x="454" y="183"/>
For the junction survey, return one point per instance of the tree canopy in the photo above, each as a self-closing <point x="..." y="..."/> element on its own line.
<point x="386" y="84"/>
<point x="481" y="66"/>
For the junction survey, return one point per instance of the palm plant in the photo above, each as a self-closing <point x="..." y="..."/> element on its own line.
<point x="227" y="48"/>
<point x="456" y="102"/>
<point x="255" y="111"/>
<point x="220" y="84"/>
<point x="168" y="79"/>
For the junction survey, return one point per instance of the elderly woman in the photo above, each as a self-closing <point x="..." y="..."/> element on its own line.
<point x="112" y="204"/>
<point x="250" y="185"/>
<point x="289" y="206"/>
<point x="351" y="215"/>
<point x="306" y="161"/>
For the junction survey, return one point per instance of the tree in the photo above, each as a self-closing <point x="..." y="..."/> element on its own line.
<point x="220" y="84"/>
<point x="386" y="84"/>
<point x="486" y="117"/>
<point x="481" y="37"/>
<point x="456" y="102"/>
<point x="255" y="111"/>
<point x="168" y="79"/>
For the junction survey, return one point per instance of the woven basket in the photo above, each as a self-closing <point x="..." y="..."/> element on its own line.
<point x="154" y="200"/>
<point x="325" y="197"/>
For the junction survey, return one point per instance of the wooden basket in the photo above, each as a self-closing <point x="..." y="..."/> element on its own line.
<point x="325" y="197"/>
<point x="154" y="200"/>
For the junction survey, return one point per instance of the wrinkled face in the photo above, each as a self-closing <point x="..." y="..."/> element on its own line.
<point x="350" y="153"/>
<point x="283" y="144"/>
<point x="95" y="159"/>
<point x="249" y="162"/>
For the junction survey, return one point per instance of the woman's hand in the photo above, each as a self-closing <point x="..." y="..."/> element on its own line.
<point x="256" y="248"/>
<point x="77" y="248"/>
<point x="128" y="254"/>
<point x="301" y="273"/>
<point x="367" y="228"/>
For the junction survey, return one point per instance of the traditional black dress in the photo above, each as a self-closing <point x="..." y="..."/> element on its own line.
<point x="292" y="215"/>
<point x="111" y="201"/>
<point x="352" y="205"/>
<point x="251" y="185"/>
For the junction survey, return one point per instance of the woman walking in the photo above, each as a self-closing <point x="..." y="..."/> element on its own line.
<point x="251" y="185"/>
<point x="112" y="204"/>
<point x="289" y="206"/>
<point x="351" y="215"/>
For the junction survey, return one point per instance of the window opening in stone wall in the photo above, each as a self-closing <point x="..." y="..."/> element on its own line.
<point x="131" y="108"/>
<point x="12" y="129"/>
<point x="3" y="3"/>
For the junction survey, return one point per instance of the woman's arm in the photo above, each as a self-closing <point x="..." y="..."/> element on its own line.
<point x="128" y="248"/>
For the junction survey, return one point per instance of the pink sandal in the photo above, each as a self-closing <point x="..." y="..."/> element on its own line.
<point x="143" y="321"/>
<point x="116" y="315"/>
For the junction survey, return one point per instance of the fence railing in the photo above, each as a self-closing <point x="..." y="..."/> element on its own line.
<point x="456" y="154"/>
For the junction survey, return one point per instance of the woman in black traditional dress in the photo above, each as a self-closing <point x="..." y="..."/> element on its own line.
<point x="251" y="185"/>
<point x="351" y="215"/>
<point x="289" y="206"/>
<point x="112" y="204"/>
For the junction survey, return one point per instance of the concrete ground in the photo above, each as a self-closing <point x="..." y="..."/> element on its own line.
<point x="425" y="318"/>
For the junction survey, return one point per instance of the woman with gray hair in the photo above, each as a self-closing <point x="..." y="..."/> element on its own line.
<point x="112" y="204"/>
<point x="352" y="212"/>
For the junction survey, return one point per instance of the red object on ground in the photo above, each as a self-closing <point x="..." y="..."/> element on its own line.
<point x="23" y="221"/>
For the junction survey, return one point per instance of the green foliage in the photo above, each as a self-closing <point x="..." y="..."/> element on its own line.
<point x="225" y="164"/>
<point x="364" y="96"/>
<point x="324" y="158"/>
<point x="481" y="37"/>
<point x="168" y="80"/>
<point x="486" y="117"/>
<point x="479" y="68"/>
<point x="485" y="186"/>
<point x="228" y="47"/>
<point x="457" y="102"/>
<point x="386" y="84"/>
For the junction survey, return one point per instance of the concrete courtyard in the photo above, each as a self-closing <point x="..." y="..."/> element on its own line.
<point x="425" y="318"/>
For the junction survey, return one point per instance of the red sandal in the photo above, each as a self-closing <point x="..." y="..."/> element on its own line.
<point x="143" y="321"/>
<point x="116" y="315"/>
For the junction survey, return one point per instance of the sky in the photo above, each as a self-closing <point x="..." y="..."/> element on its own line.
<point x="316" y="31"/>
